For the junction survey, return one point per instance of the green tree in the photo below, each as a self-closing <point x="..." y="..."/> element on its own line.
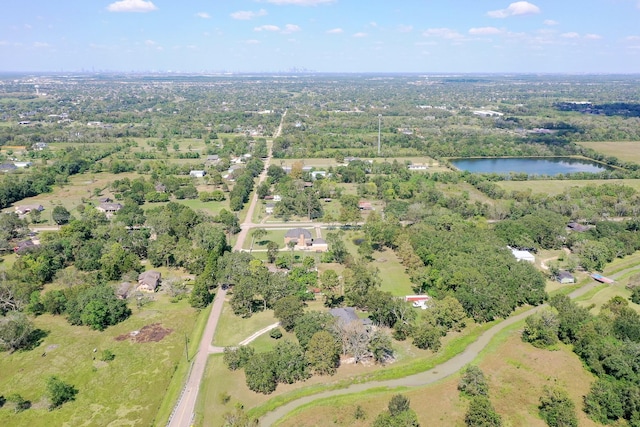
<point x="557" y="409"/>
<point x="200" y="297"/>
<point x="541" y="328"/>
<point x="309" y="323"/>
<point x="399" y="414"/>
<point x="272" y="251"/>
<point x="15" y="331"/>
<point x="257" y="234"/>
<point x="96" y="307"/>
<point x="472" y="382"/>
<point x="427" y="336"/>
<point x="449" y="314"/>
<point x="60" y="215"/>
<point x="260" y="375"/>
<point x="482" y="414"/>
<point x="59" y="392"/>
<point x="380" y="346"/>
<point x="238" y="357"/>
<point x="323" y="353"/>
<point x="603" y="404"/>
<point x="287" y="310"/>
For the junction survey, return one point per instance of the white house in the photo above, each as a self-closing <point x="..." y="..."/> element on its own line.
<point x="197" y="174"/>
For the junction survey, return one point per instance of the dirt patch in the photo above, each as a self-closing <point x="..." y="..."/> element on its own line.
<point x="150" y="333"/>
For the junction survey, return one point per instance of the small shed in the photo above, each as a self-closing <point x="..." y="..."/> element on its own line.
<point x="565" y="277"/>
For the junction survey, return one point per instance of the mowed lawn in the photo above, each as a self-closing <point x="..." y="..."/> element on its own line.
<point x="626" y="151"/>
<point x="554" y="187"/>
<point x="126" y="391"/>
<point x="517" y="373"/>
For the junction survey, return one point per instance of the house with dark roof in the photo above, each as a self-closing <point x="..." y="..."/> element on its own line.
<point x="303" y="241"/>
<point x="7" y="167"/>
<point x="565" y="277"/>
<point x="347" y="315"/>
<point x="124" y="290"/>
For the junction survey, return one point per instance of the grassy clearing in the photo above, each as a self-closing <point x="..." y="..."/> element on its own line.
<point x="517" y="372"/>
<point x="113" y="392"/>
<point x="392" y="273"/>
<point x="626" y="151"/>
<point x="553" y="187"/>
<point x="233" y="329"/>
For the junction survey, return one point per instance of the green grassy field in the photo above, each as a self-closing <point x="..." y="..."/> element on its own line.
<point x="126" y="391"/>
<point x="392" y="273"/>
<point x="554" y="187"/>
<point x="626" y="151"/>
<point x="233" y="329"/>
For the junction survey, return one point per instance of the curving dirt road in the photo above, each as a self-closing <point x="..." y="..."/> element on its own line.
<point x="437" y="373"/>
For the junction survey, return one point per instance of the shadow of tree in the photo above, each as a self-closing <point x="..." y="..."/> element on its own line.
<point x="35" y="339"/>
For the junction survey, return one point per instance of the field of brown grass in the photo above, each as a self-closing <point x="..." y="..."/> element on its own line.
<point x="517" y="373"/>
<point x="627" y="151"/>
<point x="559" y="186"/>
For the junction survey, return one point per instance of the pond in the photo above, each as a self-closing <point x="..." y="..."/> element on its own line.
<point x="529" y="165"/>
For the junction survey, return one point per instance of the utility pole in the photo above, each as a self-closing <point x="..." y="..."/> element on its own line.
<point x="379" y="123"/>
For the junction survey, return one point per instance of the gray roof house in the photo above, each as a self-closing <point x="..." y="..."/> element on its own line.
<point x="347" y="315"/>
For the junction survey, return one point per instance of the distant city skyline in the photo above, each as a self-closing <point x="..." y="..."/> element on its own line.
<point x="413" y="36"/>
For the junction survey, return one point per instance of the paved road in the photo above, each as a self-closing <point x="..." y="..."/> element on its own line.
<point x="183" y="413"/>
<point x="185" y="409"/>
<point x="437" y="373"/>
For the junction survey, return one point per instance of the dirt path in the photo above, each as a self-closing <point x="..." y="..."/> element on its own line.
<point x="437" y="373"/>
<point x="216" y="350"/>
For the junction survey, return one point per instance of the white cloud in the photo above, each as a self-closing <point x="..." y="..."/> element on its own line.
<point x="149" y="42"/>
<point x="252" y="41"/>
<point x="4" y="43"/>
<point x="203" y="15"/>
<point x="632" y="38"/>
<point x="291" y="28"/>
<point x="550" y="22"/>
<point x="267" y="28"/>
<point x="484" y="31"/>
<point x="40" y="44"/>
<point x="300" y="2"/>
<point x="571" y="35"/>
<point x="445" y="33"/>
<point x="592" y="36"/>
<point x="247" y="15"/>
<point x="515" y="9"/>
<point x="405" y="28"/>
<point x="132" y="6"/>
<point x="360" y="35"/>
<point x="335" y="31"/>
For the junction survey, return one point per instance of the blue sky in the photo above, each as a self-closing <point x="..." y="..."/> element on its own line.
<point x="557" y="36"/>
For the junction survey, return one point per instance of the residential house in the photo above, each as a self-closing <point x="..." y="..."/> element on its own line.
<point x="22" y="165"/>
<point x="109" y="208"/>
<point x="39" y="146"/>
<point x="23" y="210"/>
<point x="269" y="208"/>
<point x="365" y="206"/>
<point x="160" y="188"/>
<point x="418" y="167"/>
<point x="148" y="281"/>
<point x="347" y="315"/>
<point x="213" y="159"/>
<point x="565" y="277"/>
<point x="277" y="198"/>
<point x="197" y="173"/>
<point x="25" y="246"/>
<point x="303" y="241"/>
<point x="105" y="200"/>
